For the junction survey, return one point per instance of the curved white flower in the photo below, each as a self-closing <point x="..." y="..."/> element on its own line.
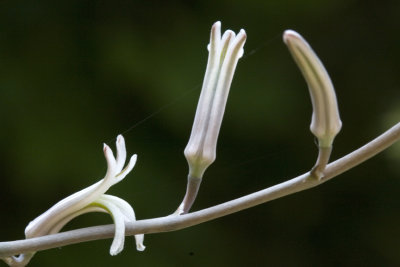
<point x="325" y="123"/>
<point x="90" y="199"/>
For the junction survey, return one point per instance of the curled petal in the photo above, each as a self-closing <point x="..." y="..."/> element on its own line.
<point x="129" y="215"/>
<point x="120" y="211"/>
<point x="139" y="242"/>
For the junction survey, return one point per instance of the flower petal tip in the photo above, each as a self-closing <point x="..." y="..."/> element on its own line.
<point x="131" y="164"/>
<point x="115" y="251"/>
<point x="140" y="247"/>
<point x="139" y="242"/>
<point x="217" y="24"/>
<point x="289" y="35"/>
<point x="133" y="159"/>
<point x="120" y="140"/>
<point x="229" y="33"/>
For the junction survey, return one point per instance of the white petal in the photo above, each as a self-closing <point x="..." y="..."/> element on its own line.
<point x="121" y="153"/>
<point x="126" y="170"/>
<point x="129" y="214"/>
<point x="119" y="222"/>
<point x="227" y="38"/>
<point x="120" y="211"/>
<point x="139" y="242"/>
<point x="124" y="206"/>
<point x="60" y="224"/>
<point x="111" y="162"/>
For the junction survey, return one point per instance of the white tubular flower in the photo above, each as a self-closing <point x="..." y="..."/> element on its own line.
<point x="326" y="123"/>
<point x="91" y="199"/>
<point x="224" y="54"/>
<point x="200" y="152"/>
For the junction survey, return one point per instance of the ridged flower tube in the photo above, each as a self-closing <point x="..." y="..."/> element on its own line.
<point x="90" y="199"/>
<point x="325" y="122"/>
<point x="200" y="152"/>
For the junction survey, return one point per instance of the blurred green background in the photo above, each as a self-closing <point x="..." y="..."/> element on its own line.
<point x="75" y="74"/>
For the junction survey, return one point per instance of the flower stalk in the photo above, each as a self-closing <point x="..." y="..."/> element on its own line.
<point x="200" y="152"/>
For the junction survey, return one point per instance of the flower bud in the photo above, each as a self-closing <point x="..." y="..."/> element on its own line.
<point x="325" y="123"/>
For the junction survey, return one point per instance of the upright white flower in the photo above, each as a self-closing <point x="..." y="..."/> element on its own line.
<point x="200" y="152"/>
<point x="325" y="122"/>
<point x="90" y="199"/>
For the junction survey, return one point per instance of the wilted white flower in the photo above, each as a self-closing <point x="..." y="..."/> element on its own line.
<point x="90" y="199"/>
